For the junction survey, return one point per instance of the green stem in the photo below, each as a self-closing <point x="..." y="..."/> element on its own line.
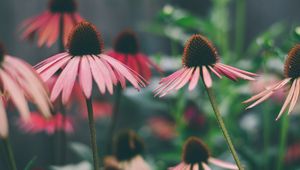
<point x="92" y="133"/>
<point x="223" y="127"/>
<point x="114" y="120"/>
<point x="240" y="26"/>
<point x="283" y="140"/>
<point x="10" y="154"/>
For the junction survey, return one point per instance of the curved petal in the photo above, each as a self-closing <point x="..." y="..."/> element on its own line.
<point x="98" y="77"/>
<point x="222" y="164"/>
<point x="206" y="77"/>
<point x="105" y="73"/>
<point x="85" y="77"/>
<point x="194" y="79"/>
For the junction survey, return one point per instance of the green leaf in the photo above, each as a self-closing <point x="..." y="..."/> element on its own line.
<point x="83" y="151"/>
<point x="30" y="163"/>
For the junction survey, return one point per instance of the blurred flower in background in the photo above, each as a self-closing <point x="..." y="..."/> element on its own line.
<point x="38" y="123"/>
<point x="194" y="117"/>
<point x="127" y="50"/>
<point x="58" y="20"/>
<point x="197" y="156"/>
<point x="101" y="109"/>
<point x="162" y="127"/>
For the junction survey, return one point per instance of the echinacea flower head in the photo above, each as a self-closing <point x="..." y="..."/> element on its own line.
<point x="127" y="50"/>
<point x="128" y="150"/>
<point x="18" y="83"/>
<point x="85" y="62"/>
<point x="196" y="156"/>
<point x="38" y="123"/>
<point x="292" y="75"/>
<point x="200" y="57"/>
<point x="58" y="20"/>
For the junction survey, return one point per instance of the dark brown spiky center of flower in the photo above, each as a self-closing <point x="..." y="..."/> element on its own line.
<point x="2" y="52"/>
<point x="292" y="63"/>
<point x="126" y="42"/>
<point x="85" y="40"/>
<point x="128" y="145"/>
<point x="195" y="151"/>
<point x="199" y="51"/>
<point x="68" y="6"/>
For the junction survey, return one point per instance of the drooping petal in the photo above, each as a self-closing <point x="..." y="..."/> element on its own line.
<point x="3" y="122"/>
<point x="70" y="79"/>
<point x="214" y="71"/>
<point x="98" y="77"/>
<point x="287" y="100"/>
<point x="234" y="72"/>
<point x="195" y="79"/>
<point x="85" y="77"/>
<point x="295" y="96"/>
<point x="68" y="26"/>
<point x="16" y="94"/>
<point x="263" y="98"/>
<point x="222" y="164"/>
<point x="239" y="70"/>
<point x="105" y="73"/>
<point x="206" y="77"/>
<point x="205" y="166"/>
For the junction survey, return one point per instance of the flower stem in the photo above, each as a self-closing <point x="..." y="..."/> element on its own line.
<point x="114" y="119"/>
<point x="266" y="134"/>
<point x="240" y="26"/>
<point x="92" y="133"/>
<point x="223" y="128"/>
<point x="10" y="154"/>
<point x="283" y="140"/>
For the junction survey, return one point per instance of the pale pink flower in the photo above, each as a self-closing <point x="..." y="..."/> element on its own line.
<point x="197" y="156"/>
<point x="19" y="83"/>
<point x="128" y="149"/>
<point x="292" y="74"/>
<point x="61" y="15"/>
<point x="38" y="123"/>
<point x="126" y="49"/>
<point x="85" y="62"/>
<point x="200" y="58"/>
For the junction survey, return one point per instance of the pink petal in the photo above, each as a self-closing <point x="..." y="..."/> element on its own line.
<point x="55" y="31"/>
<point x="214" y="71"/>
<point x="205" y="166"/>
<point x="206" y="77"/>
<point x="70" y="79"/>
<point x="165" y="82"/>
<point x="36" y="23"/>
<point x="186" y="79"/>
<point x="85" y="77"/>
<point x="48" y="28"/>
<point x="264" y="97"/>
<point x="222" y="164"/>
<point x="98" y="77"/>
<point x="106" y="74"/>
<point x="3" y="122"/>
<point x="68" y="26"/>
<point x="122" y="69"/>
<point x="240" y="71"/>
<point x="16" y="94"/>
<point x="47" y="73"/>
<point x="225" y="72"/>
<point x="238" y="74"/>
<point x="48" y="61"/>
<point x="111" y="72"/>
<point x="288" y="100"/>
<point x="195" y="79"/>
<point x="295" y="96"/>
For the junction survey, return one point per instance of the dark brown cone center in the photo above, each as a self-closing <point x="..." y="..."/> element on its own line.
<point x="126" y="42"/>
<point x="195" y="151"/>
<point x="292" y="63"/>
<point x="68" y="6"/>
<point x="85" y="40"/>
<point x="199" y="51"/>
<point x="128" y="145"/>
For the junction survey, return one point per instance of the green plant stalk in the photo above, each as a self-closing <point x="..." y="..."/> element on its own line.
<point x="240" y="16"/>
<point x="283" y="140"/>
<point x="223" y="127"/>
<point x="92" y="133"/>
<point x="10" y="154"/>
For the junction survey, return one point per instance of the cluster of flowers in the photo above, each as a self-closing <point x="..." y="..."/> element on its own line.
<point x="84" y="62"/>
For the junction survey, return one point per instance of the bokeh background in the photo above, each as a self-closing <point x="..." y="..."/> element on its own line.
<point x="270" y="30"/>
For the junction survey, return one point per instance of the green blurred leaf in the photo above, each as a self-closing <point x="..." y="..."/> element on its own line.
<point x="83" y="151"/>
<point x="30" y="163"/>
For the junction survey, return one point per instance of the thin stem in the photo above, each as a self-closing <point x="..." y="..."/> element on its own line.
<point x="89" y="106"/>
<point x="114" y="119"/>
<point x="283" y="140"/>
<point x="61" y="141"/>
<point x="10" y="154"/>
<point x="223" y="128"/>
<point x="240" y="26"/>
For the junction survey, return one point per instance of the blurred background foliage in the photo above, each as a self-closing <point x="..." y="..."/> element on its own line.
<point x="256" y="45"/>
